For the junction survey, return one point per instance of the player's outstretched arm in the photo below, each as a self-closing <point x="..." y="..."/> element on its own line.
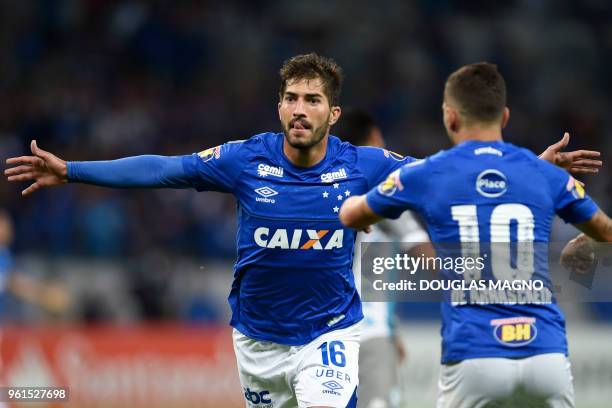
<point x="48" y="170"/>
<point x="576" y="162"/>
<point x="356" y="213"/>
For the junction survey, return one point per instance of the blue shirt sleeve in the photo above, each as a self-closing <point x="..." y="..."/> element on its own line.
<point x="572" y="203"/>
<point x="377" y="163"/>
<point x="402" y="190"/>
<point x="217" y="168"/>
<point x="130" y="172"/>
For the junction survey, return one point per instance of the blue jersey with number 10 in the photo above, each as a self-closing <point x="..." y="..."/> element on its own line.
<point x="489" y="192"/>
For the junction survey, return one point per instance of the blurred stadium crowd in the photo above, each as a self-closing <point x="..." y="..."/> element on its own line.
<point x="96" y="79"/>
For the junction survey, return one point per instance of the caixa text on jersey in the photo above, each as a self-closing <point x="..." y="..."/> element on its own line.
<point x="299" y="239"/>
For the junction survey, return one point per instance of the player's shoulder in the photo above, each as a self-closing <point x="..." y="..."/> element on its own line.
<point x="371" y="153"/>
<point x="260" y="141"/>
<point x="547" y="169"/>
<point x="429" y="163"/>
<point x="240" y="148"/>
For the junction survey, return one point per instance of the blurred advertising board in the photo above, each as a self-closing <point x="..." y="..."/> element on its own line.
<point x="126" y="366"/>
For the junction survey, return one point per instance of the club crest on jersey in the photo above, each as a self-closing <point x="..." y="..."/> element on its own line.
<point x="333" y="176"/>
<point x="298" y="239"/>
<point x="575" y="187"/>
<point x="208" y="154"/>
<point x="515" y="331"/>
<point x="391" y="184"/>
<point x="491" y="183"/>
<point x="265" y="170"/>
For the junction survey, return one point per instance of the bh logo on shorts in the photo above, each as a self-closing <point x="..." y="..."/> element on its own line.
<point x="258" y="398"/>
<point x="515" y="331"/>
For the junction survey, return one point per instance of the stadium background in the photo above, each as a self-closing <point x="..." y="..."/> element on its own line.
<point x="147" y="272"/>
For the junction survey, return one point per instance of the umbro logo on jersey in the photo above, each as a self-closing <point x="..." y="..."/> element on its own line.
<point x="265" y="170"/>
<point x="298" y="239"/>
<point x="333" y="176"/>
<point x="265" y="193"/>
<point x="488" y="150"/>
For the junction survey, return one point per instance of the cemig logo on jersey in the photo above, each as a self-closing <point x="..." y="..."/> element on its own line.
<point x="391" y="184"/>
<point x="298" y="239"/>
<point x="264" y="170"/>
<point x="333" y="176"/>
<point x="265" y="193"/>
<point x="491" y="183"/>
<point x="575" y="187"/>
<point x="515" y="331"/>
<point x="208" y="154"/>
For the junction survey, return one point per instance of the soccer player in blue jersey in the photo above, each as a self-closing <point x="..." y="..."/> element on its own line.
<point x="295" y="309"/>
<point x="477" y="193"/>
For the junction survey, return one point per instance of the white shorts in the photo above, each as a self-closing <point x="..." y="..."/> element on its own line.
<point x="323" y="372"/>
<point x="473" y="383"/>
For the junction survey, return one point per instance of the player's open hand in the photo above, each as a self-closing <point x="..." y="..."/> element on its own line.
<point x="576" y="162"/>
<point x="45" y="168"/>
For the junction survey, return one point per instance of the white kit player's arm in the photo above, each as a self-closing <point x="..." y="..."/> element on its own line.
<point x="410" y="233"/>
<point x="579" y="253"/>
<point x="356" y="213"/>
<point x="599" y="227"/>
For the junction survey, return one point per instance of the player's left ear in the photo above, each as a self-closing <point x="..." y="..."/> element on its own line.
<point x="335" y="115"/>
<point x="505" y="117"/>
<point x="450" y="118"/>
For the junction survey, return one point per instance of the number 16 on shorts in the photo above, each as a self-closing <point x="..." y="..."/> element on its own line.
<point x="333" y="351"/>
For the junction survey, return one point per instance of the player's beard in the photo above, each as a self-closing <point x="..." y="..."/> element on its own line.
<point x="303" y="143"/>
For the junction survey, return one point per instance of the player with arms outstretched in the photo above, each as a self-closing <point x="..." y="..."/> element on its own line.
<point x="295" y="309"/>
<point x="477" y="192"/>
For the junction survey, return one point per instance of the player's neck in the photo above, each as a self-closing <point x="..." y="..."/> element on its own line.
<point x="306" y="157"/>
<point x="479" y="133"/>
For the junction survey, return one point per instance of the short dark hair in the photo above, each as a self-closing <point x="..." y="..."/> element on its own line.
<point x="479" y="90"/>
<point x="355" y="126"/>
<point x="310" y="66"/>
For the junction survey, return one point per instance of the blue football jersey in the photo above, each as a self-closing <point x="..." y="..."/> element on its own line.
<point x="293" y="279"/>
<point x="489" y="192"/>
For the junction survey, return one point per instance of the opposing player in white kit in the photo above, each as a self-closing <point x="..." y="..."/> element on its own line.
<point x="382" y="350"/>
